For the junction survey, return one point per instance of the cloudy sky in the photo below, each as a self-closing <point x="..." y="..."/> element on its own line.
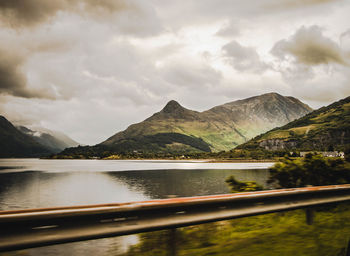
<point x="90" y="68"/>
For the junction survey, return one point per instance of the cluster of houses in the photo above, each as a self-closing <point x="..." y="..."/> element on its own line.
<point x="326" y="153"/>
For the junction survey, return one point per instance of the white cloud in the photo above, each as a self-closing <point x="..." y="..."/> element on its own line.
<point x="243" y="58"/>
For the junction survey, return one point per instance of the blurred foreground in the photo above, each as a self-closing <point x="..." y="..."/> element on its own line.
<point x="285" y="233"/>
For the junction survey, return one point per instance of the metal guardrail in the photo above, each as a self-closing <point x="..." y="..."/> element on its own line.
<point x="39" y="227"/>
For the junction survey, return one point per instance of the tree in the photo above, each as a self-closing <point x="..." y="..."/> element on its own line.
<point x="313" y="170"/>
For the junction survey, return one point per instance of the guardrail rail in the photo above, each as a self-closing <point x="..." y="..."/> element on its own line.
<point x="47" y="226"/>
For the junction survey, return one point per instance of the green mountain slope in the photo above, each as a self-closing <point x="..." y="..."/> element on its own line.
<point x="161" y="143"/>
<point x="323" y="129"/>
<point x="14" y="143"/>
<point x="222" y="127"/>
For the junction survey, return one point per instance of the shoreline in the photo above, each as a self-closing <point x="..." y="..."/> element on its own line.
<point x="210" y="160"/>
<point x="207" y="160"/>
<point x="243" y="161"/>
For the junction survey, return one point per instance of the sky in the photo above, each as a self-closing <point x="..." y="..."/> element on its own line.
<point x="90" y="68"/>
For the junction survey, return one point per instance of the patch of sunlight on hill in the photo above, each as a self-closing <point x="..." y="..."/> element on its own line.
<point x="347" y="106"/>
<point x="323" y="116"/>
<point x="279" y="134"/>
<point x="303" y="130"/>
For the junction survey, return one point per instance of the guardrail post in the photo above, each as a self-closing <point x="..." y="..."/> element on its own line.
<point x="348" y="249"/>
<point x="172" y="242"/>
<point x="310" y="214"/>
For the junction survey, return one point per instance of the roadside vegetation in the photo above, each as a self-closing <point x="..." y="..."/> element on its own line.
<point x="239" y="186"/>
<point x="312" y="170"/>
<point x="284" y="233"/>
<point x="267" y="235"/>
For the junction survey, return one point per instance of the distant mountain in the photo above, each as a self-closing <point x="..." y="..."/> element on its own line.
<point x="327" y="128"/>
<point x="222" y="127"/>
<point x="177" y="129"/>
<point x="54" y="141"/>
<point x="14" y="143"/>
<point x="65" y="140"/>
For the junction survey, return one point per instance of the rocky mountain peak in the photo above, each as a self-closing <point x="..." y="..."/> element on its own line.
<point x="4" y="123"/>
<point x="3" y="119"/>
<point x="173" y="110"/>
<point x="267" y="97"/>
<point x="172" y="107"/>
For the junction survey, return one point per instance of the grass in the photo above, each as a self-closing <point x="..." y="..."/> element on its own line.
<point x="270" y="234"/>
<point x="220" y="136"/>
<point x="281" y="134"/>
<point x="303" y="130"/>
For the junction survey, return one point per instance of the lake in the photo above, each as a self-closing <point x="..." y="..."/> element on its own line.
<point x="34" y="183"/>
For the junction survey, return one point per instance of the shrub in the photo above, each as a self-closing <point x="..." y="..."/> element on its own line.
<point x="238" y="186"/>
<point x="313" y="170"/>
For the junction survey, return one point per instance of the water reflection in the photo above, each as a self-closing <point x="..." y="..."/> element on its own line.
<point x="31" y="183"/>
<point x="21" y="165"/>
<point x="164" y="183"/>
<point x="42" y="189"/>
<point x="37" y="189"/>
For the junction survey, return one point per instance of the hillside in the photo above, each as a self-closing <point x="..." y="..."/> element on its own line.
<point x="222" y="127"/>
<point x="176" y="129"/>
<point x="327" y="128"/>
<point x="14" y="143"/>
<point x="54" y="141"/>
<point x="152" y="145"/>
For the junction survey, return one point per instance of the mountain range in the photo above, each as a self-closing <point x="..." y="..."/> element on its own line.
<point x="325" y="129"/>
<point x="277" y="122"/>
<point x="176" y="129"/>
<point x="23" y="142"/>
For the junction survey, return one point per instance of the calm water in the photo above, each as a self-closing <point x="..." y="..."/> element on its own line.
<point x="31" y="183"/>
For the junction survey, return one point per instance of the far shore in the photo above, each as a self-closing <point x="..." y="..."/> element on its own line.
<point x="242" y="161"/>
<point x="207" y="160"/>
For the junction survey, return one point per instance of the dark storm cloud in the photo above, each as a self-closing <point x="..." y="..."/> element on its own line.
<point x="28" y="12"/>
<point x="26" y="54"/>
<point x="310" y="47"/>
<point x="243" y="58"/>
<point x="22" y="13"/>
<point x="298" y="3"/>
<point x="13" y="81"/>
<point x="291" y="4"/>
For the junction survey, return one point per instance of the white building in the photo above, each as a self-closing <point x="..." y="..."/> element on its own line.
<point x="325" y="153"/>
